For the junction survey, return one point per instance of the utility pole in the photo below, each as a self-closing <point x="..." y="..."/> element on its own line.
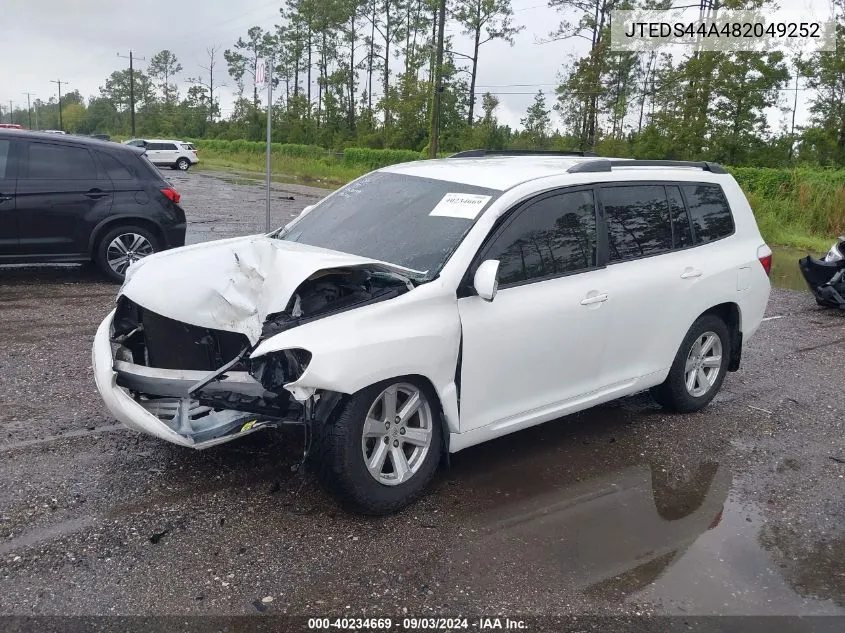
<point x="269" y="131"/>
<point x="438" y="89"/>
<point x="28" y="109"/>
<point x="131" y="88"/>
<point x="59" y="82"/>
<point x="10" y="111"/>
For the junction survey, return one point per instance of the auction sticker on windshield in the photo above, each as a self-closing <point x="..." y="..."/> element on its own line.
<point x="460" y="205"/>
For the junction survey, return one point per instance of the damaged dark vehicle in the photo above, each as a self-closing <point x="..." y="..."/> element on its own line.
<point x="826" y="277"/>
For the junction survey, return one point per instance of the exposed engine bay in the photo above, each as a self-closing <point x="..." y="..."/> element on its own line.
<point x="201" y="381"/>
<point x="333" y="291"/>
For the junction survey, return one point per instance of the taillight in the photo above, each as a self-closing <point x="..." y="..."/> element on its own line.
<point x="172" y="194"/>
<point x="764" y="254"/>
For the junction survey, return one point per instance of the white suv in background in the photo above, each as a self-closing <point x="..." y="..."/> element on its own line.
<point x="433" y="305"/>
<point x="167" y="152"/>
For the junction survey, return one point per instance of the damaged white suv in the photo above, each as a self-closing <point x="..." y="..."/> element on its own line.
<point x="430" y="306"/>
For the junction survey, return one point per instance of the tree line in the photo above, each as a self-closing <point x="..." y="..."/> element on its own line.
<point x="359" y="73"/>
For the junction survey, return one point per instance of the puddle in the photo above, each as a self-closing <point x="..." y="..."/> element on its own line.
<point x="785" y="270"/>
<point x="731" y="569"/>
<point x="586" y="528"/>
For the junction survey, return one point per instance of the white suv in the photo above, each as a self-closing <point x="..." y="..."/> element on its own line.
<point x="168" y="153"/>
<point x="430" y="306"/>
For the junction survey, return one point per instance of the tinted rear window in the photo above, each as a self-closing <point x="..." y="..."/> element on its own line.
<point x="60" y="162"/>
<point x="709" y="211"/>
<point x="151" y="168"/>
<point x="637" y="221"/>
<point x="114" y="169"/>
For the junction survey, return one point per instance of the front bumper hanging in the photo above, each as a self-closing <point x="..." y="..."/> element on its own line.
<point x="187" y="407"/>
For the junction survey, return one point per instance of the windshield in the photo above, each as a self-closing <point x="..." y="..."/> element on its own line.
<point x="405" y="220"/>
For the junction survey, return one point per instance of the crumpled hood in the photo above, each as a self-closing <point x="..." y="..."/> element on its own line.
<point x="232" y="284"/>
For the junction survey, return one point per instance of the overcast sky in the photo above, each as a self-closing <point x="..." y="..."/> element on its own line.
<point x="77" y="41"/>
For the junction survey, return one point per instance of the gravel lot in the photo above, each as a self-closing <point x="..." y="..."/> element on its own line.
<point x="620" y="510"/>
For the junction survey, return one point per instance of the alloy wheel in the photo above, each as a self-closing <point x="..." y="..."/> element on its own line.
<point x="126" y="249"/>
<point x="397" y="434"/>
<point x="704" y="362"/>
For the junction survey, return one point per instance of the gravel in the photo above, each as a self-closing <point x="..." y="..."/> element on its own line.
<point x="619" y="510"/>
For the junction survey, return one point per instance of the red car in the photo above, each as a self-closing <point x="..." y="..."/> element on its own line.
<point x="13" y="126"/>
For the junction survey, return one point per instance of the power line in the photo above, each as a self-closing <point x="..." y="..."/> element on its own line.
<point x="211" y="28"/>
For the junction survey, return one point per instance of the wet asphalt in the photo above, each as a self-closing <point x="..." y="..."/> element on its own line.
<point x="623" y="509"/>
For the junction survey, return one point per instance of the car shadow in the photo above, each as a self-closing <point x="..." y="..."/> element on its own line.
<point x="14" y="274"/>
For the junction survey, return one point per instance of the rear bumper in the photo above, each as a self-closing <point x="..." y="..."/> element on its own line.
<point x="174" y="236"/>
<point x="165" y="408"/>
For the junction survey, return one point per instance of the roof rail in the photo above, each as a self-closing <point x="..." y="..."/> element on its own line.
<point x="480" y="153"/>
<point x="607" y="164"/>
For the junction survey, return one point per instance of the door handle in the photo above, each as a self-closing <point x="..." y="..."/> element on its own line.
<point x="594" y="299"/>
<point x="691" y="273"/>
<point x="94" y="194"/>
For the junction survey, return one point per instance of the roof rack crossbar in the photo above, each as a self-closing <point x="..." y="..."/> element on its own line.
<point x="607" y="164"/>
<point x="480" y="153"/>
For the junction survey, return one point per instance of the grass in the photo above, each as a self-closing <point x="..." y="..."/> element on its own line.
<point x="327" y="172"/>
<point x="803" y="208"/>
<point x="800" y="208"/>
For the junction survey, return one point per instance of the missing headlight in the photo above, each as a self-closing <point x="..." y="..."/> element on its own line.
<point x="276" y="369"/>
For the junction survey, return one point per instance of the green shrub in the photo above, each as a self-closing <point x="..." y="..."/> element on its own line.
<point x="375" y="158"/>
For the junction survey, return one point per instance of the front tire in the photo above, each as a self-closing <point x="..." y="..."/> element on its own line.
<point x="183" y="164"/>
<point x="382" y="450"/>
<point x="698" y="369"/>
<point x="122" y="246"/>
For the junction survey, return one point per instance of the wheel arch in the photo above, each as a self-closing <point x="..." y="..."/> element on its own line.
<point x="111" y="222"/>
<point x="731" y="314"/>
<point x="327" y="414"/>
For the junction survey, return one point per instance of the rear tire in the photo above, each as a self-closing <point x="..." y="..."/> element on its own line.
<point x="345" y="445"/>
<point x="129" y="242"/>
<point x="695" y="378"/>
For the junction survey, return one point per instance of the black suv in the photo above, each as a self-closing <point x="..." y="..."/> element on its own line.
<point x="71" y="199"/>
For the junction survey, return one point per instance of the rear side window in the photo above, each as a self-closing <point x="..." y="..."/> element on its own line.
<point x="553" y="236"/>
<point x="681" y="233"/>
<point x="113" y="168"/>
<point x="637" y="221"/>
<point x="60" y="162"/>
<point x="151" y="168"/>
<point x="5" y="148"/>
<point x="168" y="146"/>
<point x="709" y="211"/>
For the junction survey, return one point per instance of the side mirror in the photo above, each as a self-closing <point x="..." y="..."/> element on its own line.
<point x="486" y="281"/>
